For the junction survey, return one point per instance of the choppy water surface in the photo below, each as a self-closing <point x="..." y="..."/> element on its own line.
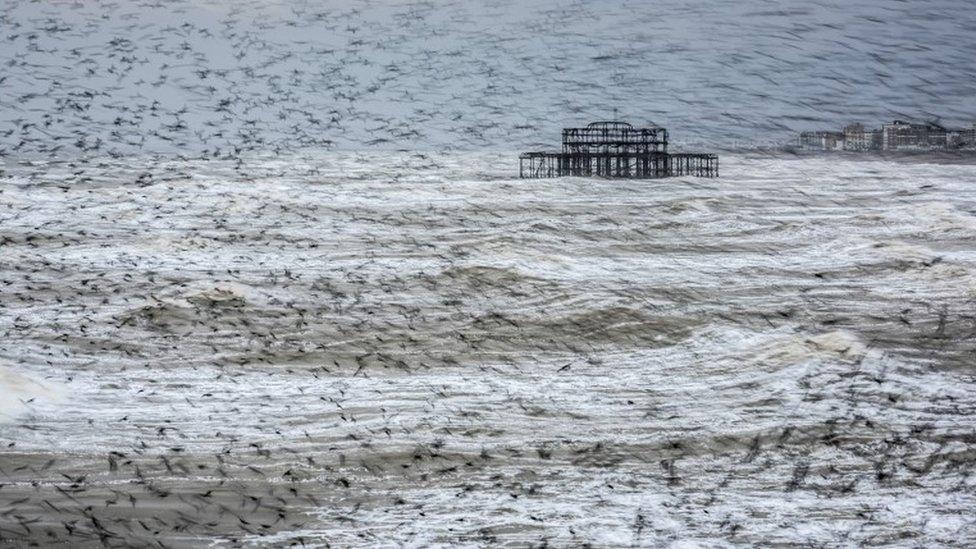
<point x="214" y="77"/>
<point x="360" y="349"/>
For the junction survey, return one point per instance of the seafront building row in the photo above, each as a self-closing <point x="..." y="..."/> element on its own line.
<point x="894" y="136"/>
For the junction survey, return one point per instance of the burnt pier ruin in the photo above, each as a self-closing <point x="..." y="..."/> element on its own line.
<point x="616" y="150"/>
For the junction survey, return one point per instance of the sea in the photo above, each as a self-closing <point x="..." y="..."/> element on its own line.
<point x="268" y="277"/>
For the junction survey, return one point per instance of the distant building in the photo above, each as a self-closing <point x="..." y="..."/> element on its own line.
<point x="962" y="139"/>
<point x="905" y="136"/>
<point x="857" y="138"/>
<point x="889" y="134"/>
<point x="897" y="135"/>
<point x="822" y="141"/>
<point x="957" y="139"/>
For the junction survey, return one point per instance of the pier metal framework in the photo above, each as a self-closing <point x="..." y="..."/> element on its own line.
<point x="616" y="150"/>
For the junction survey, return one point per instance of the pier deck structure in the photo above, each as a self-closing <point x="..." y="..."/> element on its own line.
<point x="616" y="150"/>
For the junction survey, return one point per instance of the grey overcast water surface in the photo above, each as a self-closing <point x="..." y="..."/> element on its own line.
<point x="221" y="325"/>
<point x="201" y="77"/>
<point x="375" y="349"/>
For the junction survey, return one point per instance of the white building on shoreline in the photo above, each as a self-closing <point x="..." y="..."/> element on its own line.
<point x="897" y="135"/>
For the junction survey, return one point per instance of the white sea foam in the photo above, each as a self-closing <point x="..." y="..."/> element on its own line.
<point x="778" y="356"/>
<point x="20" y="392"/>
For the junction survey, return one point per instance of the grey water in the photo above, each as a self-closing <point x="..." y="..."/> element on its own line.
<point x="187" y="77"/>
<point x="267" y="278"/>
